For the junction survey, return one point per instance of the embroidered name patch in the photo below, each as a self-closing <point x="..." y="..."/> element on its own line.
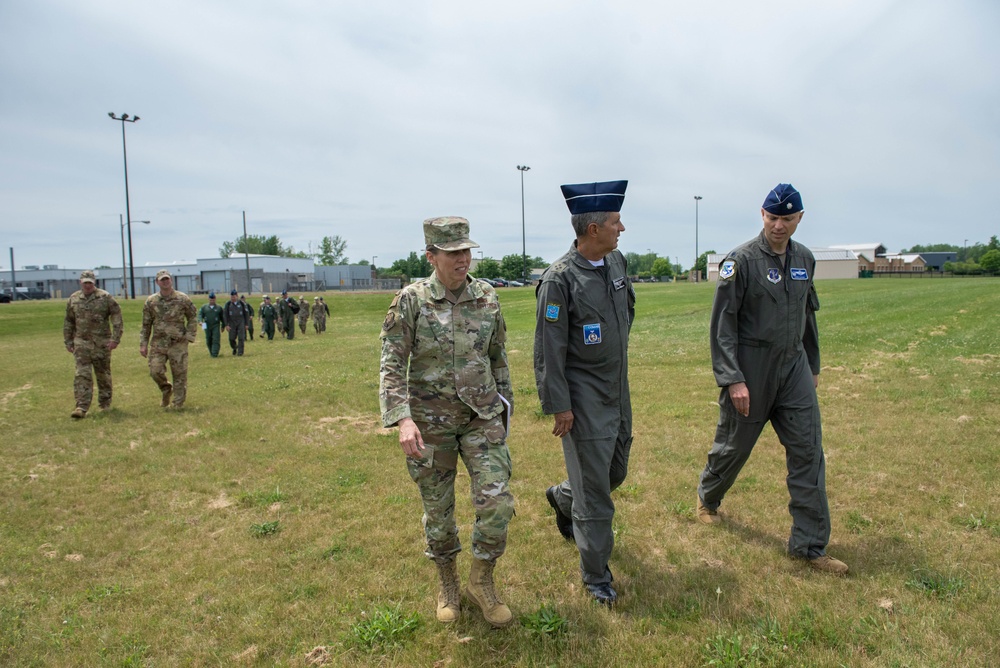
<point x="619" y="283"/>
<point x="552" y="312"/>
<point x="592" y="334"/>
<point x="774" y="276"/>
<point x="799" y="274"/>
<point x="728" y="269"/>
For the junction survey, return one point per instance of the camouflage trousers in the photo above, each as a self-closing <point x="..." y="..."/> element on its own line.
<point x="177" y="356"/>
<point x="93" y="360"/>
<point x="481" y="445"/>
<point x="303" y="321"/>
<point x="319" y="323"/>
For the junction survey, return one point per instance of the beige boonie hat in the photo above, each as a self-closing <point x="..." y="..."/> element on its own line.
<point x="449" y="233"/>
<point x="87" y="276"/>
<point x="161" y="273"/>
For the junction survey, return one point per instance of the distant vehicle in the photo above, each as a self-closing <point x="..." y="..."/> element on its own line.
<point x="516" y="284"/>
<point x="4" y="298"/>
<point x="500" y="282"/>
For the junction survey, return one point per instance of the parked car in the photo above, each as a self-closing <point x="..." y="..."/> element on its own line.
<point x="500" y="282"/>
<point x="4" y="298"/>
<point x="516" y="284"/>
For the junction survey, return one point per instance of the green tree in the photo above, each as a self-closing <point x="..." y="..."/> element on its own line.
<point x="512" y="266"/>
<point x="331" y="251"/>
<point x="990" y="261"/>
<point x="662" y="267"/>
<point x="488" y="268"/>
<point x="259" y="245"/>
<point x="702" y="263"/>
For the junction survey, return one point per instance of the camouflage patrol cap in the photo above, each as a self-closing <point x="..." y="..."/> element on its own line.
<point x="449" y="233"/>
<point x="163" y="273"/>
<point x="87" y="276"/>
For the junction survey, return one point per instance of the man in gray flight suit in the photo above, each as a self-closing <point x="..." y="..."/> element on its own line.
<point x="584" y="311"/>
<point x="765" y="356"/>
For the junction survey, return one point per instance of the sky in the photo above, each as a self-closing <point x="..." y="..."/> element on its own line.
<point x="323" y="118"/>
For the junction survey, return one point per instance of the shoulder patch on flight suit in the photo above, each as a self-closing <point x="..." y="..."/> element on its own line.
<point x="727" y="270"/>
<point x="552" y="312"/>
<point x="799" y="274"/>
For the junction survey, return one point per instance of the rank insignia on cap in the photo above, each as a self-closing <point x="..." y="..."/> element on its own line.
<point x="774" y="275"/>
<point x="552" y="312"/>
<point x="592" y="334"/>
<point x="728" y="269"/>
<point x="799" y="274"/>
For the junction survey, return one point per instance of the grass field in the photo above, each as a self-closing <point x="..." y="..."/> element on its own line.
<point x="272" y="521"/>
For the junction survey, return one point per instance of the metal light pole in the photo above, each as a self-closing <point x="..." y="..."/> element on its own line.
<point x="246" y="254"/>
<point x="524" y="246"/>
<point x="697" y="273"/>
<point x="374" y="270"/>
<point x="121" y="224"/>
<point x="128" y="215"/>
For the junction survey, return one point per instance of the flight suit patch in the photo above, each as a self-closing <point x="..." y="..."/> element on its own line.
<point x="728" y="269"/>
<point x="592" y="334"/>
<point x="799" y="274"/>
<point x="552" y="312"/>
<point x="774" y="275"/>
<point x="619" y="283"/>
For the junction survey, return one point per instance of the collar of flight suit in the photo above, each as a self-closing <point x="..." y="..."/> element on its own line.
<point x="581" y="261"/>
<point x="766" y="247"/>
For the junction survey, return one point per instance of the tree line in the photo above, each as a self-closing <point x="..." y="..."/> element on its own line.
<point x="978" y="258"/>
<point x="330" y="250"/>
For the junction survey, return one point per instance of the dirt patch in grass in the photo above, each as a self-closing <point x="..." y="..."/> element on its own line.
<point x="364" y="424"/>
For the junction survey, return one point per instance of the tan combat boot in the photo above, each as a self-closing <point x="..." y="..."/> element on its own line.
<point x="483" y="594"/>
<point x="828" y="564"/>
<point x="165" y="397"/>
<point x="706" y="516"/>
<point x="78" y="413"/>
<point x="450" y="594"/>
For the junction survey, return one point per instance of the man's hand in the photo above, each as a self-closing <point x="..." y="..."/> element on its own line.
<point x="740" y="396"/>
<point x="410" y="438"/>
<point x="563" y="423"/>
<point x="815" y="381"/>
<point x="70" y="347"/>
<point x="227" y="328"/>
<point x="112" y="345"/>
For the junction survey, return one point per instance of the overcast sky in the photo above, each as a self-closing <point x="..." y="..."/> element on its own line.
<point x="362" y="119"/>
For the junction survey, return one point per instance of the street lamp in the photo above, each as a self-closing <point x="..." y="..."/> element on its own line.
<point x="524" y="247"/>
<point x="697" y="277"/>
<point x="374" y="270"/>
<point x="128" y="216"/>
<point x="121" y="224"/>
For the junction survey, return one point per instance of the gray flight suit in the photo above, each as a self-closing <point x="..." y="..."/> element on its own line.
<point x="583" y="317"/>
<point x="763" y="333"/>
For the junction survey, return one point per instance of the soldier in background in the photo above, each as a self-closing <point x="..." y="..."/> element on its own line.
<point x="303" y="313"/>
<point x="210" y="317"/>
<point x="268" y="315"/>
<point x="326" y="313"/>
<point x="87" y="335"/>
<point x="250" y="315"/>
<point x="318" y="315"/>
<point x="287" y="308"/>
<point x="168" y="326"/>
<point x="443" y="380"/>
<point x="234" y="317"/>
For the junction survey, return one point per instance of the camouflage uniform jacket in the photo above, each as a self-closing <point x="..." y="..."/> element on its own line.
<point x="87" y="318"/>
<point x="436" y="354"/>
<point x="167" y="320"/>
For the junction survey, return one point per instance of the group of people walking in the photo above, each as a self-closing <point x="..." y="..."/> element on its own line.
<point x="93" y="327"/>
<point x="445" y="383"/>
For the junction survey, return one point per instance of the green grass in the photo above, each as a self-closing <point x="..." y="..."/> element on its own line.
<point x="125" y="540"/>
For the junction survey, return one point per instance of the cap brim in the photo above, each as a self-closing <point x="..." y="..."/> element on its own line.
<point x="88" y="280"/>
<point x="456" y="245"/>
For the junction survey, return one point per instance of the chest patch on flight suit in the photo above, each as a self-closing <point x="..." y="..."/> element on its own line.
<point x="619" y="283"/>
<point x="592" y="334"/>
<point x="552" y="312"/>
<point x="799" y="274"/>
<point x="728" y="269"/>
<point x="774" y="275"/>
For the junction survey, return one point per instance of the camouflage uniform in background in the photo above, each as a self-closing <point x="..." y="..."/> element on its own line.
<point x="325" y="310"/>
<point x="444" y="365"/>
<point x="303" y="314"/>
<point x="319" y="315"/>
<point x="168" y="325"/>
<point x="87" y="334"/>
<point x="279" y="309"/>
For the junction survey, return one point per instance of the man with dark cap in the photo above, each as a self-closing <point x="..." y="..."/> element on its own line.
<point x="444" y="379"/>
<point x="168" y="326"/>
<point x="765" y="356"/>
<point x="87" y="334"/>
<point x="584" y="312"/>
<point x="250" y="315"/>
<point x="287" y="308"/>
<point x="210" y="317"/>
<point x="234" y="317"/>
<point x="268" y="314"/>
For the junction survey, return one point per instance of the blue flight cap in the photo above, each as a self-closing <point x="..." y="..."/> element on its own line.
<point x="784" y="200"/>
<point x="233" y="292"/>
<point x="211" y="295"/>
<point x="587" y="197"/>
